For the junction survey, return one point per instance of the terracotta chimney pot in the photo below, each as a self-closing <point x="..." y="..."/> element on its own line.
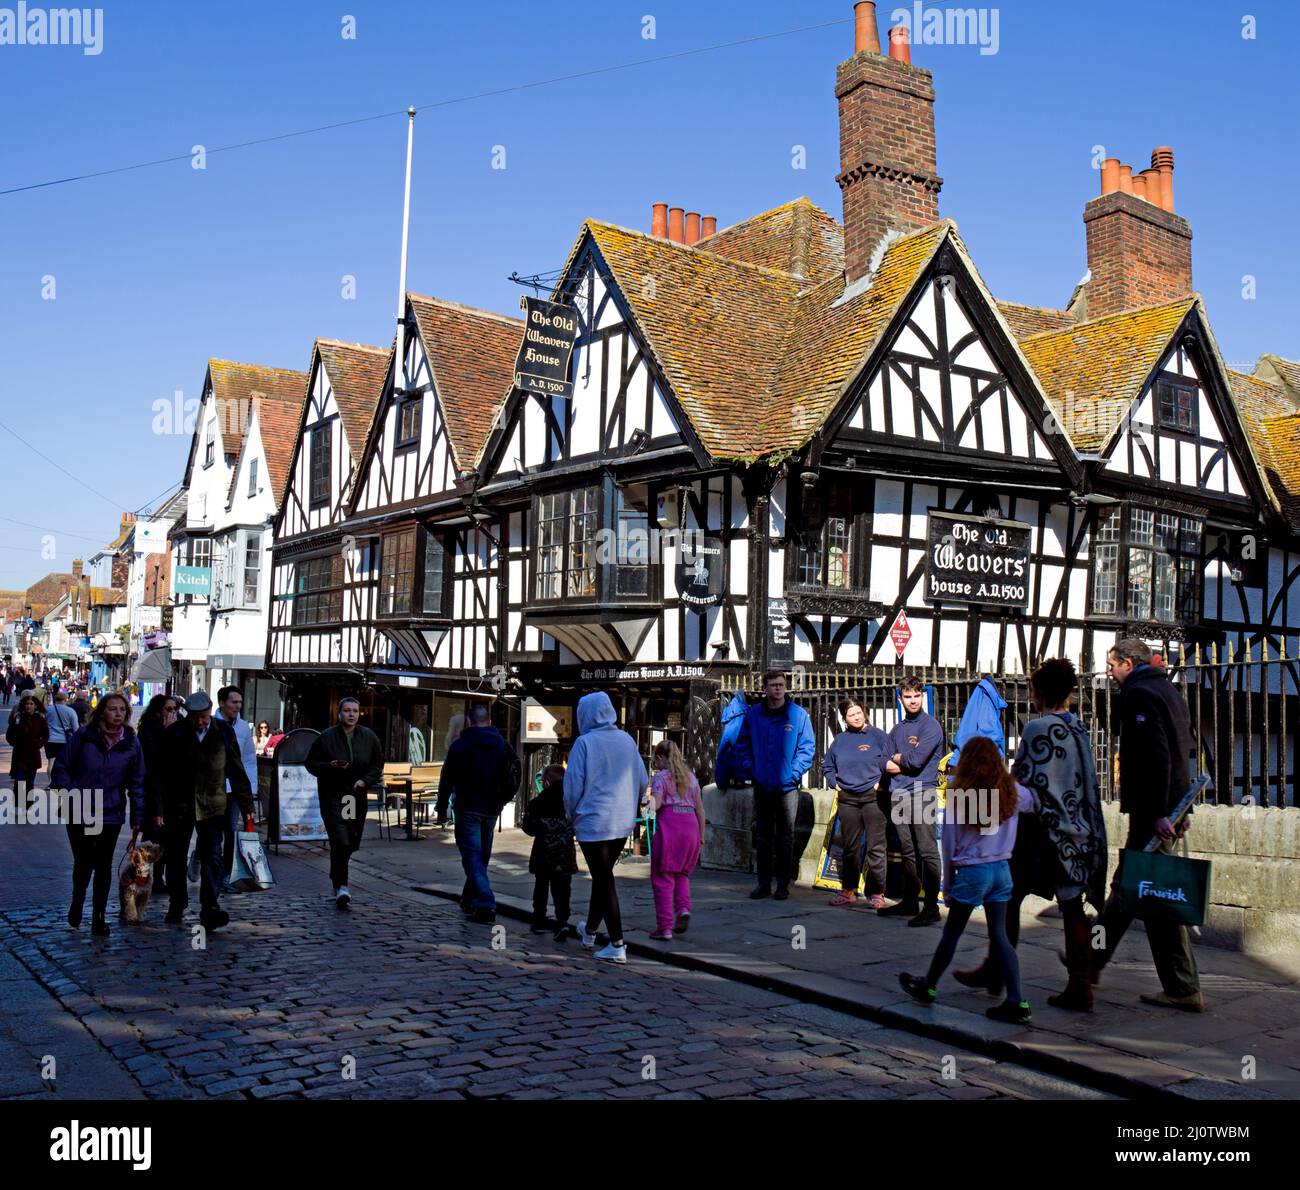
<point x="692" y="227"/>
<point x="1126" y="179"/>
<point x="1152" y="177"/>
<point x="1140" y="186"/>
<point x="708" y="226"/>
<point x="866" y="32"/>
<point x="899" y="48"/>
<point x="1110" y="175"/>
<point x="659" y="220"/>
<point x="676" y="228"/>
<point x="1163" y="160"/>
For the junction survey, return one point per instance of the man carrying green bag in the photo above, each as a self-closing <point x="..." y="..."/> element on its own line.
<point x="1155" y="743"/>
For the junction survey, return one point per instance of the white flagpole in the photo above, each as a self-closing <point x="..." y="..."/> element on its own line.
<point x="400" y="358"/>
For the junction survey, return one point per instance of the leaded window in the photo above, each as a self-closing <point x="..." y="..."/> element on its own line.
<point x="397" y="573"/>
<point x="1153" y="558"/>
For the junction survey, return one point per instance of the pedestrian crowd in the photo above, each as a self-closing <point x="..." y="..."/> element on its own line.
<point x="1009" y="828"/>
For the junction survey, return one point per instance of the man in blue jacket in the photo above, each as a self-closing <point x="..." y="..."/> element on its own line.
<point x="776" y="745"/>
<point x="914" y="791"/>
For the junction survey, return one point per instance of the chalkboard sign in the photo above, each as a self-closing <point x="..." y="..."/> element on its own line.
<point x="973" y="559"/>
<point x="295" y="810"/>
<point x="780" y="634"/>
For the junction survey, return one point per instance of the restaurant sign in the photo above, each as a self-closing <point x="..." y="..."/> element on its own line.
<point x="699" y="571"/>
<point x="550" y="331"/>
<point x="972" y="559"/>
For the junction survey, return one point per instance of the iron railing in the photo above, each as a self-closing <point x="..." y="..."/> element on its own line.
<point x="1243" y="708"/>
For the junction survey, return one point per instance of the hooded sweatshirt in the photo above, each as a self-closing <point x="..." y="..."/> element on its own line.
<point x="606" y="775"/>
<point x="983" y="716"/>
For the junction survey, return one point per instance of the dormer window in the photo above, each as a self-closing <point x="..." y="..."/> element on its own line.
<point x="252" y="478"/>
<point x="1177" y="407"/>
<point x="320" y="463"/>
<point x="210" y="445"/>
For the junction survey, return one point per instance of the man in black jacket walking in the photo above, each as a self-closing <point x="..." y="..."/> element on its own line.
<point x="483" y="771"/>
<point x="1155" y="743"/>
<point x="347" y="761"/>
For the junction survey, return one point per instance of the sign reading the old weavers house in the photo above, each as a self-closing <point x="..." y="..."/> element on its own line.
<point x="973" y="559"/>
<point x="549" y="334"/>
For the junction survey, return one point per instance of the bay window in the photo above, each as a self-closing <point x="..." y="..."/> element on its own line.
<point x="406" y="557"/>
<point x="824" y="553"/>
<point x="1147" y="565"/>
<point x="318" y="591"/>
<point x="397" y="572"/>
<point x="252" y="568"/>
<point x="594" y="543"/>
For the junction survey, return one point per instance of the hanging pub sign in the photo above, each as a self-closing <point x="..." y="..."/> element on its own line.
<point x="699" y="571"/>
<point x="550" y="331"/>
<point x="973" y="559"/>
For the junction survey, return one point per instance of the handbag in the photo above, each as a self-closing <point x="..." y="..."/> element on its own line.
<point x="251" y="871"/>
<point x="1158" y="886"/>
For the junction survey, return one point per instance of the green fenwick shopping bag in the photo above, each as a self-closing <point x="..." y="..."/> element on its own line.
<point x="1154" y="885"/>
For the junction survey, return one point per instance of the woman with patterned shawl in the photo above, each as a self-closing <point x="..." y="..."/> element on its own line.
<point x="1061" y="852"/>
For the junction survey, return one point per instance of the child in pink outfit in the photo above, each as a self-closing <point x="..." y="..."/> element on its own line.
<point x="679" y="834"/>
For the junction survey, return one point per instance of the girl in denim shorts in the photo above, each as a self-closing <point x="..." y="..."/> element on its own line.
<point x="979" y="834"/>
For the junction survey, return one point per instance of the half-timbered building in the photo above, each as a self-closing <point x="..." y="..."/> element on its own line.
<point x="816" y="443"/>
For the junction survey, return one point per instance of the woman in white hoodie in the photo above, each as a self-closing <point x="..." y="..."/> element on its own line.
<point x="603" y="785"/>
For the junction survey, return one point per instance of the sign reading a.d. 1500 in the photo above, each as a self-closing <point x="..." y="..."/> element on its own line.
<point x="550" y="331"/>
<point x="973" y="559"/>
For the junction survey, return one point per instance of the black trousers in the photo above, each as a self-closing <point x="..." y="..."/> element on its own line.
<point x="601" y="858"/>
<point x="210" y="835"/>
<point x="345" y="838"/>
<point x="914" y="815"/>
<point x="862" y="814"/>
<point x="556" y="887"/>
<point x="92" y="858"/>
<point x="1171" y="945"/>
<point x="774" y="818"/>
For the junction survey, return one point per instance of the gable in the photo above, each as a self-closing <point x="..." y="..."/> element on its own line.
<point x="1203" y="460"/>
<point x="618" y="392"/>
<point x="948" y="381"/>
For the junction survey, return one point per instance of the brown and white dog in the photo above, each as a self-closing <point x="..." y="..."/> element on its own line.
<point x="136" y="883"/>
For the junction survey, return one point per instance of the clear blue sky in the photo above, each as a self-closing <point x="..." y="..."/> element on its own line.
<point x="158" y="269"/>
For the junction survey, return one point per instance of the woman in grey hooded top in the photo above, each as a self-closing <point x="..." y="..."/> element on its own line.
<point x="603" y="786"/>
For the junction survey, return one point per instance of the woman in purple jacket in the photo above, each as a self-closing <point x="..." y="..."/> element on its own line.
<point x="105" y="764"/>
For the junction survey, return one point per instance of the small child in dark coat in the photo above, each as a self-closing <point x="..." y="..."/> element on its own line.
<point x="554" y="857"/>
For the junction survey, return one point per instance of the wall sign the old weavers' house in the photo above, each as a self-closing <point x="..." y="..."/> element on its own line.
<point x="544" y="354"/>
<point x="977" y="560"/>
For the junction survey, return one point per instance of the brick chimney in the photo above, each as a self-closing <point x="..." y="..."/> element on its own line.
<point x="1139" y="251"/>
<point x="77" y="565"/>
<point x="887" y="151"/>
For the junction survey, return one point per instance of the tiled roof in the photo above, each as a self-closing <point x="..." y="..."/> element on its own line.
<point x="780" y="238"/>
<point x="1281" y="371"/>
<point x="756" y="358"/>
<point x="233" y="386"/>
<point x="278" y="422"/>
<point x="472" y="355"/>
<point x="828" y="343"/>
<point x="356" y="375"/>
<point x="1272" y="428"/>
<point x="1034" y="320"/>
<point x="1093" y="372"/>
<point x="107" y="597"/>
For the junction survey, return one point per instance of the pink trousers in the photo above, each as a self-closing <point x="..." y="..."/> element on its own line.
<point x="672" y="897"/>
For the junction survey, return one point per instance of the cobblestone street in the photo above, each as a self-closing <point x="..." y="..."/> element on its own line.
<point x="403" y="998"/>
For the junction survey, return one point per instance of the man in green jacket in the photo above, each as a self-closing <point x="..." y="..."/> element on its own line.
<point x="199" y="756"/>
<point x="347" y="761"/>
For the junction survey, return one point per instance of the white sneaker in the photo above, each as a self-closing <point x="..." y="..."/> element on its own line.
<point x="588" y="940"/>
<point x="612" y="953"/>
<point x="342" y="897"/>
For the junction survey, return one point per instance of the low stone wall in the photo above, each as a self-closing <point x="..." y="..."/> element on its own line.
<point x="1254" y="892"/>
<point x="1255" y="880"/>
